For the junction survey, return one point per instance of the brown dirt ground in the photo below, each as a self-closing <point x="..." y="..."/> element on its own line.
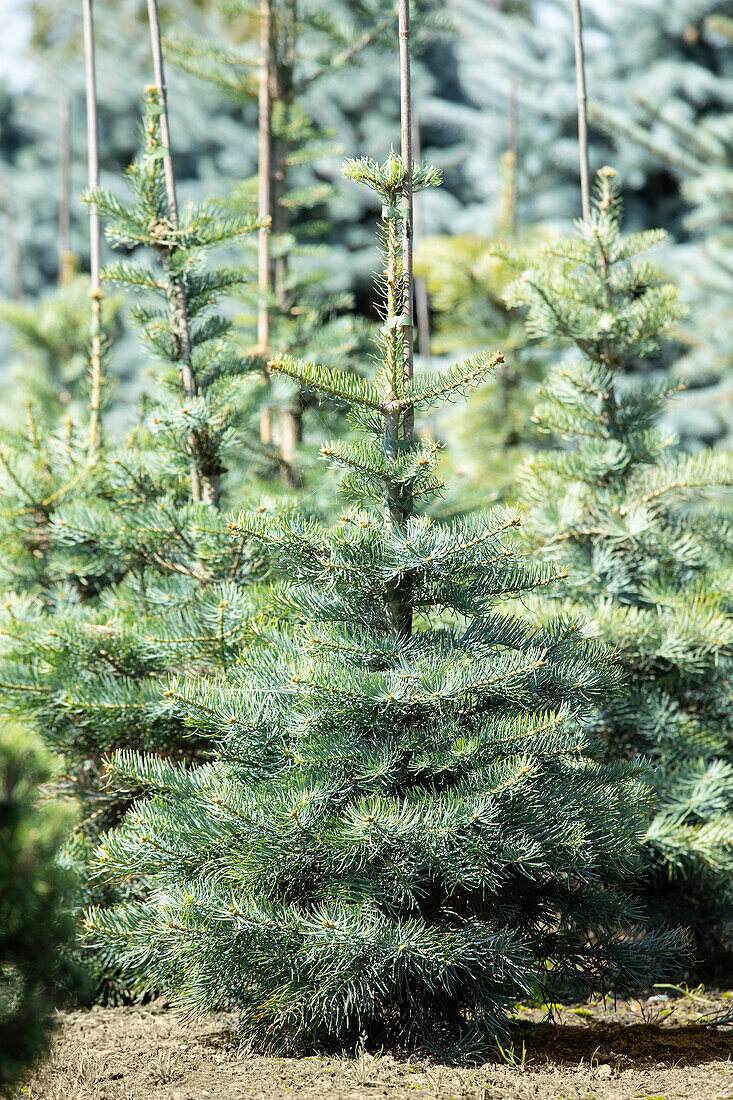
<point x="648" y="1050"/>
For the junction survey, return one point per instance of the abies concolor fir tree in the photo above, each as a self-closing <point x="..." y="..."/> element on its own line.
<point x="142" y="526"/>
<point x="52" y="458"/>
<point x="677" y="125"/>
<point x="401" y="831"/>
<point x="141" y="577"/>
<point x="645" y="532"/>
<point x="659" y="108"/>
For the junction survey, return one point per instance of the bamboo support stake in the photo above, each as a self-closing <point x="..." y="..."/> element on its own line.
<point x="283" y="53"/>
<point x="264" y="171"/>
<point x="96" y="358"/>
<point x="179" y="309"/>
<point x="582" y="109"/>
<point x="407" y="234"/>
<point x="264" y="202"/>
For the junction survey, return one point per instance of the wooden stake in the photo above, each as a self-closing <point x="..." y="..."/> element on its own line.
<point x="282" y="85"/>
<point x="264" y="205"/>
<point x="582" y="109"/>
<point x="179" y="308"/>
<point x="407" y="235"/>
<point x="264" y="171"/>
<point x="95" y="291"/>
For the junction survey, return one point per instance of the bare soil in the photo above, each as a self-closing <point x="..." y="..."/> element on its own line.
<point x="639" y="1050"/>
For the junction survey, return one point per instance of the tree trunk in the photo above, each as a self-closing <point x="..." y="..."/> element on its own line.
<point x="398" y="425"/>
<point x="12" y="249"/>
<point x="510" y="199"/>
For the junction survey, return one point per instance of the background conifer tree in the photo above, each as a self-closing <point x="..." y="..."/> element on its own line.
<point x="658" y="78"/>
<point x="679" y="126"/>
<point x="643" y="531"/>
<point x="51" y="368"/>
<point x="290" y="307"/>
<point x="46" y="460"/>
<point x="467" y="277"/>
<point x="144" y="576"/>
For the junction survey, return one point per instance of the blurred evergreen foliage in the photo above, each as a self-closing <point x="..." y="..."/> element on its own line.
<point x="659" y="78"/>
<point x="467" y="277"/>
<point x="36" y="929"/>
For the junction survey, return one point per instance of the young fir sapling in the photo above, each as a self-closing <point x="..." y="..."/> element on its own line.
<point x="643" y="529"/>
<point x="401" y="831"/>
<point x="145" y="577"/>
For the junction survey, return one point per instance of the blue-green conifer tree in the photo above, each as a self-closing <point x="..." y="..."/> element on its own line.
<point x="137" y="575"/>
<point x="400" y="831"/>
<point x="644" y="531"/>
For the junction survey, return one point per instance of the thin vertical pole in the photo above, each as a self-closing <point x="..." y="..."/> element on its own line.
<point x="582" y="109"/>
<point x="407" y="236"/>
<point x="95" y="291"/>
<point x="165" y="136"/>
<point x="264" y="175"/>
<point x="284" y="56"/>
